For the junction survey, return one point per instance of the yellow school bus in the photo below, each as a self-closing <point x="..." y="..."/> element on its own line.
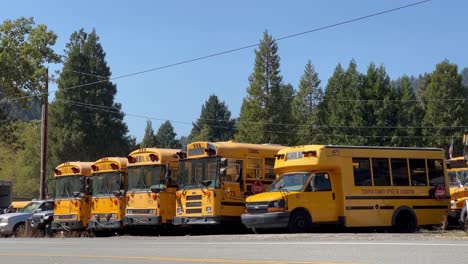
<point x="458" y="175"/>
<point x="109" y="181"/>
<point x="152" y="183"/>
<point x="72" y="206"/>
<point x="214" y="179"/>
<point x="354" y="187"/>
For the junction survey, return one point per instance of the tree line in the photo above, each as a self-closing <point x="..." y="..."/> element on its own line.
<point x="85" y="123"/>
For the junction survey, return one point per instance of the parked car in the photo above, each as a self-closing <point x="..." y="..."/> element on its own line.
<point x="14" y="223"/>
<point x="42" y="221"/>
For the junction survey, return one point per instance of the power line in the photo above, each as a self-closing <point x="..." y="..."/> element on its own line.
<point x="236" y="49"/>
<point x="110" y="109"/>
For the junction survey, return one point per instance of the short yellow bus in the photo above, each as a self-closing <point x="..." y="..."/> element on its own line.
<point x="214" y="179"/>
<point x="109" y="181"/>
<point x="72" y="205"/>
<point x="152" y="183"/>
<point x="353" y="187"/>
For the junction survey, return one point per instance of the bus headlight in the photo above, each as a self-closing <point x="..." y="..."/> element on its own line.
<point x="276" y="206"/>
<point x="179" y="210"/>
<point x="208" y="209"/>
<point x="152" y="211"/>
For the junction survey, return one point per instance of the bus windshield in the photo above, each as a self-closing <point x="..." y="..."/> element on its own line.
<point x="106" y="183"/>
<point x="66" y="186"/>
<point x="290" y="182"/>
<point x="144" y="177"/>
<point x="196" y="173"/>
<point x="458" y="178"/>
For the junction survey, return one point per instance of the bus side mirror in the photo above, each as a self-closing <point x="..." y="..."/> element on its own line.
<point x="88" y="183"/>
<point x="223" y="164"/>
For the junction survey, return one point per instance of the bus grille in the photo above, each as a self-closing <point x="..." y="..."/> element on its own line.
<point x="194" y="211"/>
<point x="65" y="217"/>
<point x="194" y="204"/>
<point x="194" y="197"/>
<point x="257" y="208"/>
<point x="138" y="211"/>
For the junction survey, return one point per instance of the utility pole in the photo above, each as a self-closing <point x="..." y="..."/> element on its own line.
<point x="45" y="103"/>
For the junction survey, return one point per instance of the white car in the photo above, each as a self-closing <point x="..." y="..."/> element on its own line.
<point x="13" y="223"/>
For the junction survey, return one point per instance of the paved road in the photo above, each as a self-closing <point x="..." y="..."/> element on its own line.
<point x="249" y="249"/>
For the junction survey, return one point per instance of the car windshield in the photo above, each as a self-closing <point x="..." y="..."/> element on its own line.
<point x="144" y="177"/>
<point x="66" y="186"/>
<point x="30" y="207"/>
<point x="290" y="182"/>
<point x="196" y="173"/>
<point x="106" y="183"/>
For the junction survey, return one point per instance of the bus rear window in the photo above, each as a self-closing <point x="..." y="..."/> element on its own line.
<point x="362" y="174"/>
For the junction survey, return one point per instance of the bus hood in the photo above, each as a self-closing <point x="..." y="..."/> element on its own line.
<point x="268" y="196"/>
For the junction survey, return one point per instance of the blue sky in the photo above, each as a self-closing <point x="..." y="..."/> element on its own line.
<point x="138" y="35"/>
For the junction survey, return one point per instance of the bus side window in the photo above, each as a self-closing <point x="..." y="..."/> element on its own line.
<point x="253" y="168"/>
<point x="234" y="170"/>
<point x="436" y="172"/>
<point x="418" y="172"/>
<point x="400" y="172"/>
<point x="321" y="183"/>
<point x="269" y="168"/>
<point x="380" y="172"/>
<point x="362" y="174"/>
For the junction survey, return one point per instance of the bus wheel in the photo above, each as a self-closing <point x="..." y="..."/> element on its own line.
<point x="299" y="222"/>
<point x="405" y="222"/>
<point x="464" y="219"/>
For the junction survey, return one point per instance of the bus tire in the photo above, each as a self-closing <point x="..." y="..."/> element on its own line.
<point x="405" y="222"/>
<point x="299" y="222"/>
<point x="464" y="219"/>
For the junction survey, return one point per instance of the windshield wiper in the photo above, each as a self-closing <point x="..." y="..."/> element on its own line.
<point x="282" y="190"/>
<point x="200" y="184"/>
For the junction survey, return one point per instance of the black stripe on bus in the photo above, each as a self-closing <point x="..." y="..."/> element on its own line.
<point x="430" y="207"/>
<point x="385" y="207"/>
<point x="233" y="203"/>
<point x="359" y="207"/>
<point x="391" y="197"/>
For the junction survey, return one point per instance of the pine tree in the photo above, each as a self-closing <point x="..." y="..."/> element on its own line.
<point x="86" y="124"/>
<point x="166" y="137"/>
<point x="266" y="110"/>
<point x="408" y="116"/>
<point x="214" y="124"/>
<point x="341" y="110"/>
<point x="443" y="118"/>
<point x="379" y="110"/>
<point x="305" y="106"/>
<point x="149" y="139"/>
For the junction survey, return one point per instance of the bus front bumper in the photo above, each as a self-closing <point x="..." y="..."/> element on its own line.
<point x="67" y="226"/>
<point x="142" y="220"/>
<point x="266" y="220"/>
<point x="105" y="224"/>
<point x="202" y="220"/>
